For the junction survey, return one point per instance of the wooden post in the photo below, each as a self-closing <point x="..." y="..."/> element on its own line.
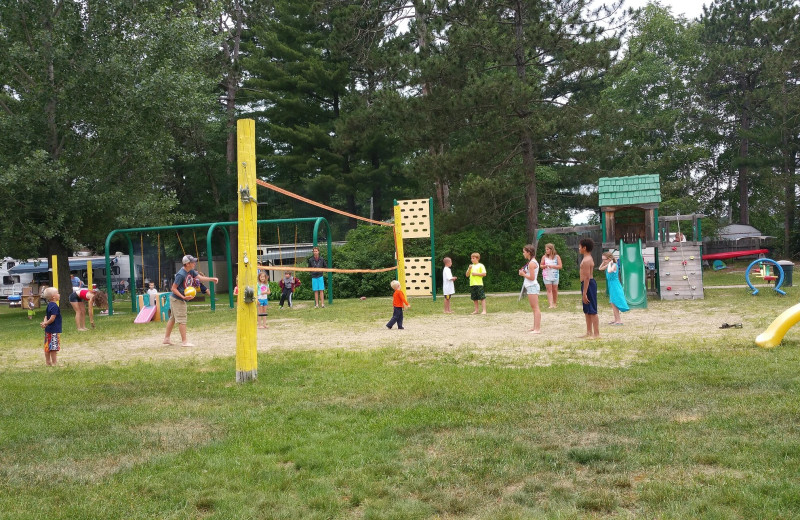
<point x="246" y="313"/>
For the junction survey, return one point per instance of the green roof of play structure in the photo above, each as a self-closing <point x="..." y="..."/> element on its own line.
<point x="627" y="191"/>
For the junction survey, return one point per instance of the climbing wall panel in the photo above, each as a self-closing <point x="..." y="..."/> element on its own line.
<point x="418" y="276"/>
<point x="416" y="219"/>
<point x="680" y="271"/>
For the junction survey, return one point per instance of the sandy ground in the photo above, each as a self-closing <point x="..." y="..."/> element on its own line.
<point x="497" y="338"/>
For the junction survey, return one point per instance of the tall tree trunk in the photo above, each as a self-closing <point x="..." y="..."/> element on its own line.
<point x="526" y="143"/>
<point x="51" y="107"/>
<point x="231" y="50"/>
<point x="376" y="190"/>
<point x="53" y="246"/>
<point x="789" y="166"/>
<point x="743" y="180"/>
<point x="440" y="182"/>
<point x="531" y="191"/>
<point x="351" y="208"/>
<point x="790" y="181"/>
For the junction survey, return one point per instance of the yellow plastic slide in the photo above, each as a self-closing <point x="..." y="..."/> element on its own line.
<point x="779" y="327"/>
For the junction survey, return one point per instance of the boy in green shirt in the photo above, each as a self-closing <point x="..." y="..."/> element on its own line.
<point x="476" y="272"/>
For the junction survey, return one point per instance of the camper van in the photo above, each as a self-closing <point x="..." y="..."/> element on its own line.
<point x="11" y="284"/>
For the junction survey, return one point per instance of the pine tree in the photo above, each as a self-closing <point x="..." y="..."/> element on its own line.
<point x="737" y="42"/>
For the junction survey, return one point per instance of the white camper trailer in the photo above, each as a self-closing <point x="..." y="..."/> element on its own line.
<point x="12" y="283"/>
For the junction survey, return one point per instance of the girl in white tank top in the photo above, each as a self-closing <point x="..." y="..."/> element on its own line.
<point x="531" y="285"/>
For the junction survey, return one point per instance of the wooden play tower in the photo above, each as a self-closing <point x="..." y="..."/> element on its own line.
<point x="630" y="221"/>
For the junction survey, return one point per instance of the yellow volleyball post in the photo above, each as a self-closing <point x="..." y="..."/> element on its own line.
<point x="246" y="310"/>
<point x="89" y="274"/>
<point x="54" y="267"/>
<point x="398" y="239"/>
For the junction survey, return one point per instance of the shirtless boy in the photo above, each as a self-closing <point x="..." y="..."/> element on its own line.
<point x="589" y="289"/>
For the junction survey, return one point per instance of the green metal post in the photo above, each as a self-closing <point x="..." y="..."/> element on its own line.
<point x="212" y="288"/>
<point x="109" y="288"/>
<point x="699" y="238"/>
<point x="602" y="228"/>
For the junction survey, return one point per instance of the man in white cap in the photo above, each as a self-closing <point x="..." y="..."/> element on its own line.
<point x="183" y="279"/>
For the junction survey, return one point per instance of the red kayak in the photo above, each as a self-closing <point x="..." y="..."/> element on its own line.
<point x="735" y="254"/>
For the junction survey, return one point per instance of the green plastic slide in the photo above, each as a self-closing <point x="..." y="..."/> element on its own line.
<point x="633" y="274"/>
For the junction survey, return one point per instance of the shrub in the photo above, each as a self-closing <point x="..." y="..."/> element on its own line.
<point x="367" y="247"/>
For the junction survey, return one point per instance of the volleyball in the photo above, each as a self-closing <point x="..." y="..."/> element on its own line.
<point x="190" y="292"/>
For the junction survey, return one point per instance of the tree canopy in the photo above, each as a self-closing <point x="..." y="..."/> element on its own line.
<point x="507" y="112"/>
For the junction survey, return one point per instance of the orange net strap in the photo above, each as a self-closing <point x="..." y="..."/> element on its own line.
<point x="321" y="269"/>
<point x="318" y="204"/>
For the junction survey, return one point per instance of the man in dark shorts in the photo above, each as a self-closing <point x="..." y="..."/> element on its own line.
<point x="589" y="289"/>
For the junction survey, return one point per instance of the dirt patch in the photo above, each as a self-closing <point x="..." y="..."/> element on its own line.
<point x="500" y="338"/>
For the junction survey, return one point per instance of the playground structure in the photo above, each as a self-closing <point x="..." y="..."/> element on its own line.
<point x="414" y="219"/>
<point x="630" y="222"/>
<point x="765" y="263"/>
<point x="679" y="265"/>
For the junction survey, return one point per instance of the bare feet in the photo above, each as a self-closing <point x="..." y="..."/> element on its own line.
<point x="187" y="344"/>
<point x="476" y="312"/>
<point x="484" y="312"/>
<point x="535" y="331"/>
<point x="167" y="342"/>
<point x="586" y="336"/>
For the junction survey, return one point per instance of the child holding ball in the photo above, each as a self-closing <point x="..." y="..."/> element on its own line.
<point x="177" y="307"/>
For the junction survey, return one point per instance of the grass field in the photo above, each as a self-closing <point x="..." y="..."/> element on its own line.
<point x="462" y="417"/>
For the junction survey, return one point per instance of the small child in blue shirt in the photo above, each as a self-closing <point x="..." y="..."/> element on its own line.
<point x="52" y="327"/>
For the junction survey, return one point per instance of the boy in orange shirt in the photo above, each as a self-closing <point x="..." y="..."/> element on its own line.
<point x="399" y="302"/>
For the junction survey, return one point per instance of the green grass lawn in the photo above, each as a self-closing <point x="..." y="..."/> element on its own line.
<point x="695" y="430"/>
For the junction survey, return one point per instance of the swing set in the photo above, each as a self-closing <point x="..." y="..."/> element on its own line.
<point x="211" y="228"/>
